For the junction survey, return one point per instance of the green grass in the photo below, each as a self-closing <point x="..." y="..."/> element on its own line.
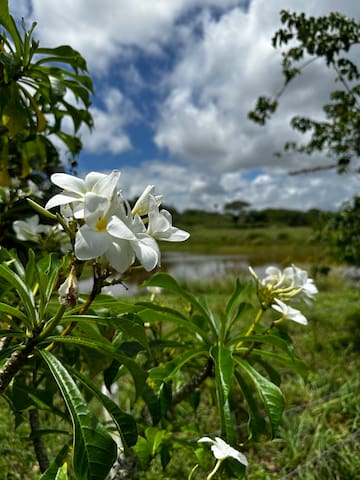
<point x="320" y="433"/>
<point x="261" y="245"/>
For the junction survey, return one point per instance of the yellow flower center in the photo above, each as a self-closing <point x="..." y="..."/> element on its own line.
<point x="101" y="224"/>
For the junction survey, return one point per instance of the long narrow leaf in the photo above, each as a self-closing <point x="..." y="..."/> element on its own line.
<point x="257" y="423"/>
<point x="269" y="392"/>
<point x="294" y="363"/>
<point x="12" y="312"/>
<point x="224" y="369"/>
<point x="24" y="293"/>
<point x="166" y="373"/>
<point x="58" y="468"/>
<point x="106" y="348"/>
<point x="124" y="422"/>
<point x="164" y="280"/>
<point x="94" y="449"/>
<point x="155" y="315"/>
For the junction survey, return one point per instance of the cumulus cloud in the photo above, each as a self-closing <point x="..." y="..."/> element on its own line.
<point x="212" y="59"/>
<point x="268" y="188"/>
<point x="102" y="29"/>
<point x="109" y="134"/>
<point x="216" y="83"/>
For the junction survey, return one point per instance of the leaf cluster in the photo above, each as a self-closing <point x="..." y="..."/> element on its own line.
<point x="331" y="39"/>
<point x="36" y="87"/>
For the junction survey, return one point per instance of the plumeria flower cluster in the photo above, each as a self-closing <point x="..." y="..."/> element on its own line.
<point x="279" y="287"/>
<point x="108" y="227"/>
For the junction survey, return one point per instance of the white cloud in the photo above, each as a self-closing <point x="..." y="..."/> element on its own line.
<point x="216" y="83"/>
<point x="184" y="187"/>
<point x="108" y="134"/>
<point x="221" y="63"/>
<point x="101" y="29"/>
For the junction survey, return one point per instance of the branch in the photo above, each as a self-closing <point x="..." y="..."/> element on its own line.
<point x="14" y="363"/>
<point x="195" y="382"/>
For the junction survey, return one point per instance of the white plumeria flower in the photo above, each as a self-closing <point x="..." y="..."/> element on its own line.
<point x="222" y="450"/>
<point x="288" y="312"/>
<point x="160" y="224"/>
<point x="120" y="240"/>
<point x="75" y="189"/>
<point x="301" y="280"/>
<point x="292" y="283"/>
<point x="141" y="206"/>
<point x="30" y="229"/>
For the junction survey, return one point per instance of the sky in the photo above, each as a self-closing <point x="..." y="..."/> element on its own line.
<point x="174" y="82"/>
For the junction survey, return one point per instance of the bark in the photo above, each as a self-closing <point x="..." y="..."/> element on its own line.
<point x="193" y="384"/>
<point x="14" y="364"/>
<point x="38" y="443"/>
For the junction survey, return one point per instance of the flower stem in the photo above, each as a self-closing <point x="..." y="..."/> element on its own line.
<point x="191" y="474"/>
<point x="252" y="326"/>
<point x="215" y="469"/>
<point x="53" y="323"/>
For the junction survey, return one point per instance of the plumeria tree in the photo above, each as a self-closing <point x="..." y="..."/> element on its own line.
<point x="44" y="100"/>
<point x="116" y="374"/>
<point x="163" y="355"/>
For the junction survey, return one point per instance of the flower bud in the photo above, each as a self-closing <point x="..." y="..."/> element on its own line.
<point x="69" y="290"/>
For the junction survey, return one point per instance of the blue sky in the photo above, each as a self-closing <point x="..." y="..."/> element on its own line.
<point x="174" y="80"/>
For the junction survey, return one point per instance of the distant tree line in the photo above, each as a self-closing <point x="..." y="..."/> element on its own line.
<point x="251" y="218"/>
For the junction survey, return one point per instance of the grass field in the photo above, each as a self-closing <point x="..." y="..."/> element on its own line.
<point x="261" y="244"/>
<point x="319" y="436"/>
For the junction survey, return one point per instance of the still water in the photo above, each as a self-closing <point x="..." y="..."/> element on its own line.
<point x="187" y="266"/>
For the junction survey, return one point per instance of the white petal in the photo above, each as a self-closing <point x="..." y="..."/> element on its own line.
<point x="105" y="186"/>
<point x="69" y="183"/>
<point x="174" y="234"/>
<point x="289" y="312"/>
<point x="95" y="208"/>
<point x="61" y="199"/>
<point x="141" y="206"/>
<point x="120" y="255"/>
<point x="147" y="252"/>
<point x="91" y="178"/>
<point x="117" y="228"/>
<point x="206" y="440"/>
<point x="90" y="243"/>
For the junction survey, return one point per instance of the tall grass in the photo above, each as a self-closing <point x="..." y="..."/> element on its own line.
<point x="320" y="433"/>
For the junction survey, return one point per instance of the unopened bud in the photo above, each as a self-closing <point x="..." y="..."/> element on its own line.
<point x="69" y="290"/>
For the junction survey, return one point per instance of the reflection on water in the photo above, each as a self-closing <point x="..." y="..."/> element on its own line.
<point x="186" y="266"/>
<point x="189" y="266"/>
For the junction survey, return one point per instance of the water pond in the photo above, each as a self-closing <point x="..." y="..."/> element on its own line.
<point x="188" y="266"/>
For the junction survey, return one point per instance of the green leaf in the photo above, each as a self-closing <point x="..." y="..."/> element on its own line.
<point x="106" y="348"/>
<point x="94" y="450"/>
<point x="224" y="370"/>
<point x="24" y="292"/>
<point x="139" y="374"/>
<point x="294" y="363"/>
<point x="224" y="367"/>
<point x="13" y="312"/>
<point x="132" y="325"/>
<point x="257" y="424"/>
<point x="63" y="54"/>
<point x="164" y="280"/>
<point x="124" y="422"/>
<point x="231" y="304"/>
<point x="58" y="468"/>
<point x="156" y="313"/>
<point x="8" y="23"/>
<point x="269" y="392"/>
<point x="166" y="372"/>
